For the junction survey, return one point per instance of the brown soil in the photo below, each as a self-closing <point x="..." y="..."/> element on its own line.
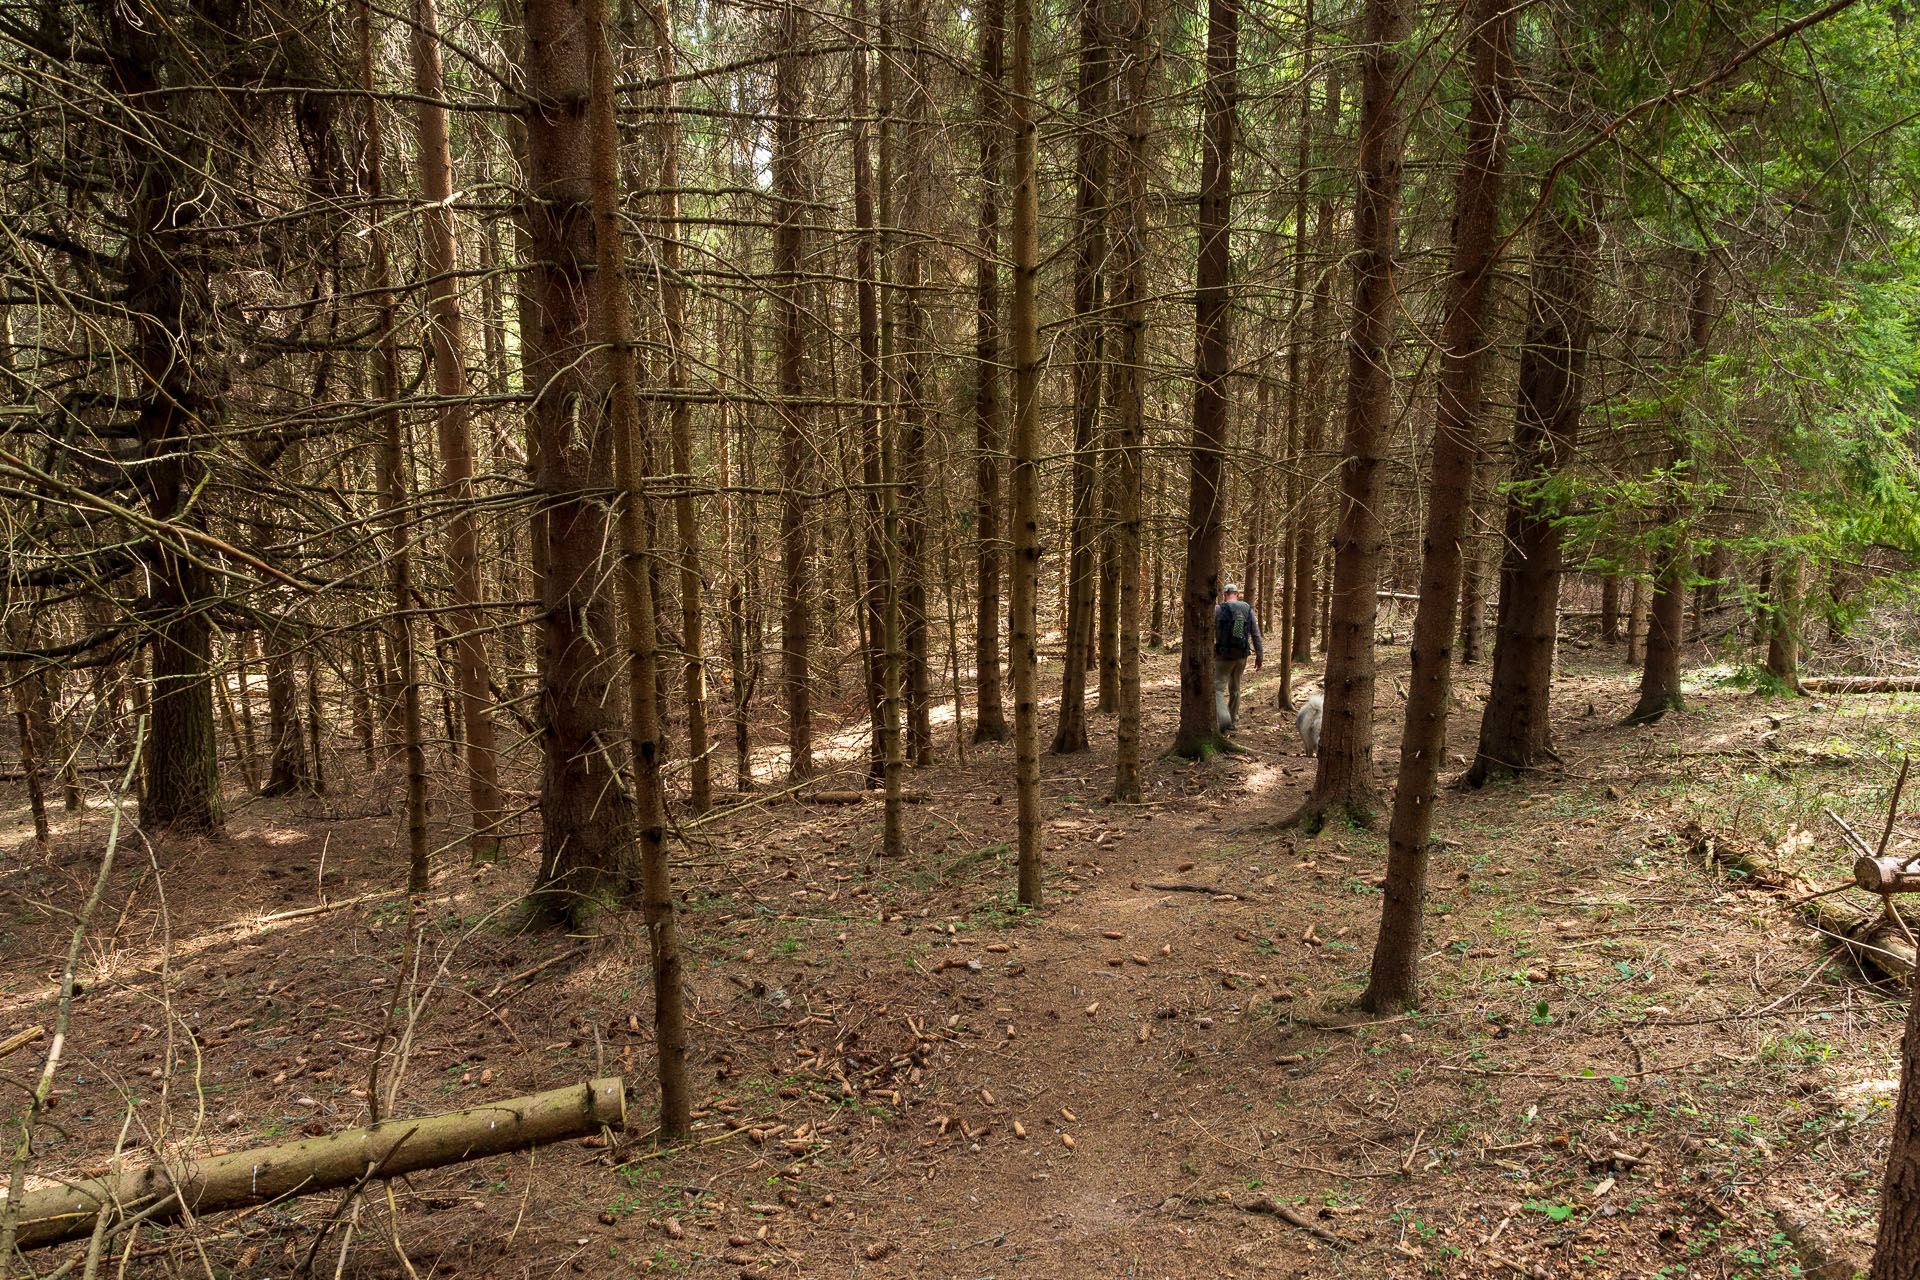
<point x="1625" y="1065"/>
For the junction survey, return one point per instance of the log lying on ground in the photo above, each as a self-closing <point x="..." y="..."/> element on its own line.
<point x="856" y="797"/>
<point x="385" y="1150"/>
<point x="1867" y="935"/>
<point x="1860" y="684"/>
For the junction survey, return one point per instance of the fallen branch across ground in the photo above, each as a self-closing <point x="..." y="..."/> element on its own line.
<point x="239" y="1179"/>
<point x="1861" y="684"/>
<point x="1871" y="937"/>
<point x="1194" y="888"/>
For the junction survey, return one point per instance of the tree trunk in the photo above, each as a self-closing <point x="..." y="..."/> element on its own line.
<point x="883" y="607"/>
<point x="1318" y="389"/>
<point x="796" y="455"/>
<point x="1088" y="331"/>
<point x="243" y="673"/>
<point x="394" y="489"/>
<point x="26" y="717"/>
<point x="1465" y="348"/>
<point x="316" y="727"/>
<point x="444" y="326"/>
<point x="235" y="1180"/>
<point x="612" y="330"/>
<point x="287" y="770"/>
<point x="1896" y="1250"/>
<point x="169" y="303"/>
<point x="1343" y="782"/>
<point x="1125" y="386"/>
<point x="586" y="810"/>
<point x="1107" y="619"/>
<point x="1516" y="731"/>
<point x="1297" y="488"/>
<point x="1157" y="619"/>
<point x="1636" y="620"/>
<point x="1660" y="676"/>
<point x="1610" y="609"/>
<point x="739" y="673"/>
<point x="1783" y="633"/>
<point x="1473" y="588"/>
<point x="1024" y="578"/>
<point x="673" y="305"/>
<point x="912" y="354"/>
<point x="1199" y="732"/>
<point x="989" y="715"/>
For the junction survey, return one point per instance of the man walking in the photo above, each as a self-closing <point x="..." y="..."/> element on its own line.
<point x="1236" y="633"/>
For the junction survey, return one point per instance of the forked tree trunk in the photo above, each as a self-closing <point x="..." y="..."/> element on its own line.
<point x="586" y="810"/>
<point x="1465" y="346"/>
<point x="1660" y="676"/>
<point x="796" y="458"/>
<point x="1024" y="578"/>
<point x="444" y="327"/>
<point x="394" y="489"/>
<point x="989" y="716"/>
<point x="1125" y="389"/>
<point x="1199" y="732"/>
<point x="1515" y="728"/>
<point x="1088" y="329"/>
<point x="1343" y="782"/>
<point x="613" y="332"/>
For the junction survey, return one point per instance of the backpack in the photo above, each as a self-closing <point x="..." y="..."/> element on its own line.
<point x="1230" y="629"/>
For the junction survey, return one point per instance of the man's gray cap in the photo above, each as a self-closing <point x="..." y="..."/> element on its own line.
<point x="1233" y="587"/>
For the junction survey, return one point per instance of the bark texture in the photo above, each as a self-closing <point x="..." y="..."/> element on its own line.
<point x="586" y="808"/>
<point x="1515" y="729"/>
<point x="1343" y="783"/>
<point x="1199" y="732"/>
<point x="1465" y="348"/>
<point x="1025" y="576"/>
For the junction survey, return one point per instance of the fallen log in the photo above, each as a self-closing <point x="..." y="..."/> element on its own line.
<point x="1871" y="937"/>
<point x="856" y="797"/>
<point x="239" y="1179"/>
<point x="1860" y="684"/>
<point x="21" y="1039"/>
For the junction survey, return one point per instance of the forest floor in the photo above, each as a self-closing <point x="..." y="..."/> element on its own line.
<point x="1626" y="1062"/>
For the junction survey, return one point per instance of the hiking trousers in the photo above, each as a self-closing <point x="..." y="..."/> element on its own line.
<point x="1227" y="673"/>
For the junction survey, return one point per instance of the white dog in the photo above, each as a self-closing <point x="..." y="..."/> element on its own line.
<point x="1308" y="723"/>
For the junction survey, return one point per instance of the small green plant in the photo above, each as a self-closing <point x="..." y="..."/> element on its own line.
<point x="1553" y="1212"/>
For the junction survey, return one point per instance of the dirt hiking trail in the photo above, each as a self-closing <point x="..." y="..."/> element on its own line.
<point x="1627" y="1062"/>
